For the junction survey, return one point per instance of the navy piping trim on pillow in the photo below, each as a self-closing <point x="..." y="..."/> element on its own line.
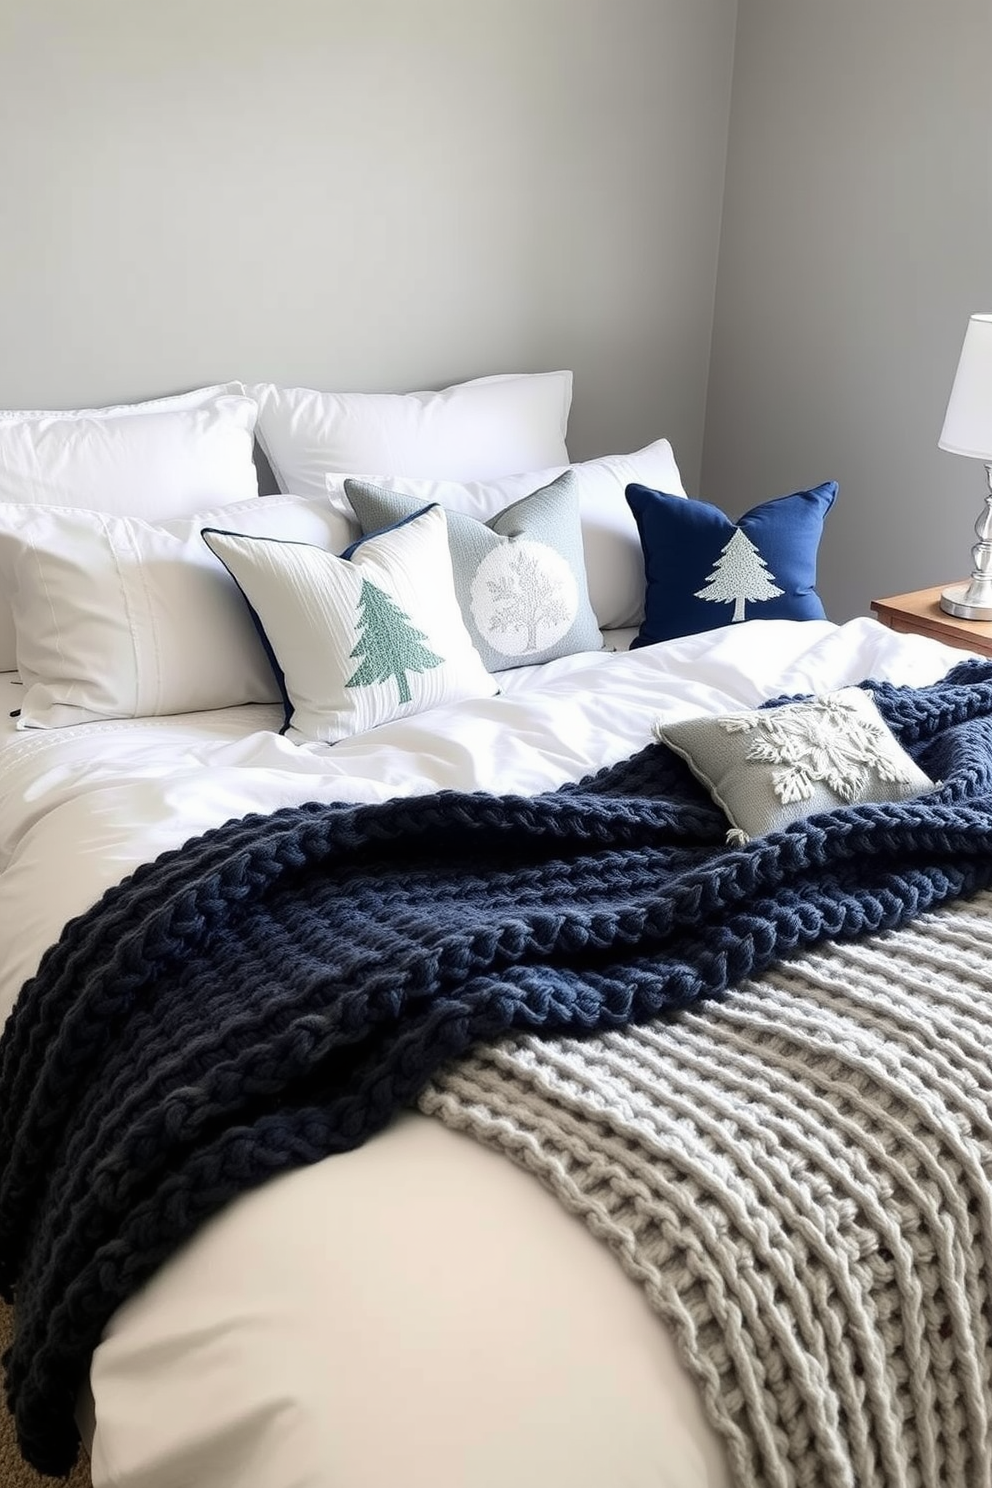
<point x="287" y="705"/>
<point x="352" y="549"/>
<point x="280" y="677"/>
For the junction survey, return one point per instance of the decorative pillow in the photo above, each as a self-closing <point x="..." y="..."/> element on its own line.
<point x="119" y="618"/>
<point x="475" y="430"/>
<point x="159" y="461"/>
<point x="519" y="578"/>
<point x="702" y="570"/>
<point x="364" y="638"/>
<point x="773" y="766"/>
<point x="613" y="560"/>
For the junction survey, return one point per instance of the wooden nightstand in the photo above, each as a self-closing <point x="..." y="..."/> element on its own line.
<point x="920" y="614"/>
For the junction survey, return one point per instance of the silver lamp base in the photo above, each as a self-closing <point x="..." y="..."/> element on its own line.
<point x="956" y="601"/>
<point x="973" y="601"/>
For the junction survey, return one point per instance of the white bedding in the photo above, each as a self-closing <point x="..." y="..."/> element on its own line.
<point x="418" y="1311"/>
<point x="10" y="698"/>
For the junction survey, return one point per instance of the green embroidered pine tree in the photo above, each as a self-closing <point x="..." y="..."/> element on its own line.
<point x="388" y="644"/>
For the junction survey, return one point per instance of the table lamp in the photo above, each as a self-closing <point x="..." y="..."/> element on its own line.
<point x="968" y="431"/>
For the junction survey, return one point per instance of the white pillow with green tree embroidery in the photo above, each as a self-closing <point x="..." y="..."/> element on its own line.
<point x="358" y="640"/>
<point x="772" y="766"/>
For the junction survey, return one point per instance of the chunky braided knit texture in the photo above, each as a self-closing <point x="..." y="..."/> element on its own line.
<point x="274" y="991"/>
<point x="799" y="1178"/>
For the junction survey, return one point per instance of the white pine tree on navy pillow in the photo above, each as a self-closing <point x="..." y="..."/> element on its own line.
<point x="740" y="576"/>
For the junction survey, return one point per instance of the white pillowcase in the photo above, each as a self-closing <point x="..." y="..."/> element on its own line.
<point x="614" y="558"/>
<point x="120" y="618"/>
<point x="158" y="460"/>
<point x="485" y="428"/>
<point x="364" y="638"/>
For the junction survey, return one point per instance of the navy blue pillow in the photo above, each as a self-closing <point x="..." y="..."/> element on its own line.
<point x="703" y="570"/>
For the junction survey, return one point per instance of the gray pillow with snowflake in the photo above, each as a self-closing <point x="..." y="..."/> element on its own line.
<point x="772" y="766"/>
<point x="520" y="578"/>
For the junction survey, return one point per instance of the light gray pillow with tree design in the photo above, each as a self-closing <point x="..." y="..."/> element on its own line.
<point x="520" y="578"/>
<point x="772" y="766"/>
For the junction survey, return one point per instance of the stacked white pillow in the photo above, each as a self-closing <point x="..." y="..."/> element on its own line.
<point x="157" y="460"/>
<point x="611" y="543"/>
<point x="483" y="429"/>
<point x="121" y="618"/>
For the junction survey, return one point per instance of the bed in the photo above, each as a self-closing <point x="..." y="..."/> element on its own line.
<point x="422" y="1307"/>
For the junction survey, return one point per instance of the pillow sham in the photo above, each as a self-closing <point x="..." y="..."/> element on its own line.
<point x="158" y="460"/>
<point x="488" y="427"/>
<point x="611" y="546"/>
<point x="519" y="578"/>
<point x="358" y="640"/>
<point x="702" y="570"/>
<point x="120" y="618"/>
<point x="772" y="766"/>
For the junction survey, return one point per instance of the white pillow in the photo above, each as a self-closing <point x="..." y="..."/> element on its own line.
<point x="365" y="638"/>
<point x="120" y="618"/>
<point x="485" y="428"/>
<point x="159" y="460"/>
<point x="614" y="558"/>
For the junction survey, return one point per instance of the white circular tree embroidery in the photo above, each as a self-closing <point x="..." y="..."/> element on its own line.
<point x="524" y="598"/>
<point x="740" y="576"/>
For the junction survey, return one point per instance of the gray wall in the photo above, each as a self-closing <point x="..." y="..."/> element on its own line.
<point x="403" y="193"/>
<point x="857" y="239"/>
<point x="365" y="194"/>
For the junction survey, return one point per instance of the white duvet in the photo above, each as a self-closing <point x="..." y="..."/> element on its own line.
<point x="420" y="1311"/>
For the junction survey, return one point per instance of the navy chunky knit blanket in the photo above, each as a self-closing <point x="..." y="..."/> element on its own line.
<point x="275" y="990"/>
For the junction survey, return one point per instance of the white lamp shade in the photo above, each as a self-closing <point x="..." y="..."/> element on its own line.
<point x="968" y="422"/>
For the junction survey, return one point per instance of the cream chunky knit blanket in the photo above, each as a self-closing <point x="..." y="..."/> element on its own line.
<point x="800" y="1177"/>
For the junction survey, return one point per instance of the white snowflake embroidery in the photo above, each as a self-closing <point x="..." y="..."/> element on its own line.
<point x="827" y="740"/>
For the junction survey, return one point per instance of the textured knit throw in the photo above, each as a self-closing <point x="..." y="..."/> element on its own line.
<point x="799" y="1178"/>
<point x="274" y="991"/>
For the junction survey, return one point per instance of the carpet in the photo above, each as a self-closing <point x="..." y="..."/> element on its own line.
<point x="14" y="1473"/>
